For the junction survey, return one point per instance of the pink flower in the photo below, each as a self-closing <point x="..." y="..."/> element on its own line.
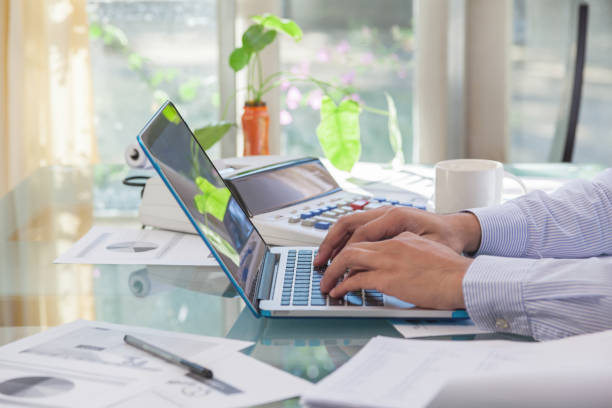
<point x="367" y="58"/>
<point x="294" y="97"/>
<point x="353" y="97"/>
<point x="343" y="47"/>
<point x="285" y="118"/>
<point x="285" y="84"/>
<point x="301" y="70"/>
<point x="323" y="55"/>
<point x="348" y="78"/>
<point x="314" y="99"/>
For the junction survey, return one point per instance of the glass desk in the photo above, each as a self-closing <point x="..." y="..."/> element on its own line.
<point x="48" y="212"/>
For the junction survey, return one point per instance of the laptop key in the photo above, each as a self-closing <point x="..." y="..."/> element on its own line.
<point x="336" y="301"/>
<point x="354" y="300"/>
<point x="317" y="302"/>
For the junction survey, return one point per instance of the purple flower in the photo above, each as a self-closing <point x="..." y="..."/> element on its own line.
<point x="353" y="97"/>
<point x="314" y="99"/>
<point x="285" y="84"/>
<point x="323" y="55"/>
<point x="348" y="78"/>
<point x="294" y="97"/>
<point x="301" y="70"/>
<point x="367" y="58"/>
<point x="343" y="47"/>
<point x="285" y="118"/>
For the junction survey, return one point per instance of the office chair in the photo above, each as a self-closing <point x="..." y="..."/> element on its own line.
<point x="567" y="121"/>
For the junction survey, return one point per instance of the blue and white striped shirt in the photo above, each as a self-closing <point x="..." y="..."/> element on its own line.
<point x="542" y="268"/>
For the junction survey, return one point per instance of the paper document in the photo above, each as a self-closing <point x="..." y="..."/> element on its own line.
<point x="428" y="328"/>
<point x="130" y="246"/>
<point x="88" y="364"/>
<point x="391" y="372"/>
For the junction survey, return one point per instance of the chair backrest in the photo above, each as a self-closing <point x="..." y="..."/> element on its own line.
<point x="567" y="121"/>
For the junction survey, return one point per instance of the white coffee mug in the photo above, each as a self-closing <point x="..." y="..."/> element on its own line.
<point x="469" y="183"/>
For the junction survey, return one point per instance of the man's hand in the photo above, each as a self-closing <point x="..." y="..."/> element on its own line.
<point x="409" y="267"/>
<point x="460" y="232"/>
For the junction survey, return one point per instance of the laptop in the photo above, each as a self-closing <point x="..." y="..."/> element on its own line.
<point x="273" y="281"/>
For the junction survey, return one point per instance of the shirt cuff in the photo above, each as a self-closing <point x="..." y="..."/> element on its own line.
<point x="493" y="294"/>
<point x="503" y="230"/>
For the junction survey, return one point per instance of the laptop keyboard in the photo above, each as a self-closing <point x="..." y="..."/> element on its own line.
<point x="301" y="286"/>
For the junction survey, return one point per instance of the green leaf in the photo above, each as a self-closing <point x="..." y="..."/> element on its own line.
<point x="207" y="136"/>
<point x="256" y="39"/>
<point x="157" y="78"/>
<point x="213" y="201"/>
<point x="189" y="90"/>
<point x="395" y="136"/>
<point x="283" y="25"/>
<point x="135" y="62"/>
<point x="171" y="114"/>
<point x="338" y="132"/>
<point x="239" y="58"/>
<point x="95" y="30"/>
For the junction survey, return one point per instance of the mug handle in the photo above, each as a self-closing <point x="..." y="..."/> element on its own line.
<point x="516" y="179"/>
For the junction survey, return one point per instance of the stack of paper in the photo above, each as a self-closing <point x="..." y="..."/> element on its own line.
<point x="410" y="373"/>
<point x="87" y="364"/>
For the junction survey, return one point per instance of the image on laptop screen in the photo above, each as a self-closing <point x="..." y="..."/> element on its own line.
<point x="203" y="192"/>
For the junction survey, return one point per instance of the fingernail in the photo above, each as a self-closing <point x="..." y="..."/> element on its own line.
<point x="332" y="293"/>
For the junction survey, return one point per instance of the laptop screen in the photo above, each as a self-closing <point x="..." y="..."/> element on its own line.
<point x="205" y="196"/>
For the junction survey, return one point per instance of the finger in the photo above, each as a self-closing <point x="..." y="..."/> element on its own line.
<point x="383" y="227"/>
<point x="345" y="226"/>
<point x="354" y="257"/>
<point x="338" y="248"/>
<point x="358" y="281"/>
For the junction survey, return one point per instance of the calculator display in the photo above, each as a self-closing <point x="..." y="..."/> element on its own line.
<point x="284" y="185"/>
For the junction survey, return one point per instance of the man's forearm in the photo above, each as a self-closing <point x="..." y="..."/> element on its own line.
<point x="545" y="298"/>
<point x="573" y="222"/>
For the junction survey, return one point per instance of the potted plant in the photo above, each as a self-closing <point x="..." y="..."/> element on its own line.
<point x="338" y="131"/>
<point x="255" y="119"/>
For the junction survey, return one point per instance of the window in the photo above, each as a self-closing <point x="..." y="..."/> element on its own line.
<point x="144" y="52"/>
<point x="540" y="50"/>
<point x="366" y="44"/>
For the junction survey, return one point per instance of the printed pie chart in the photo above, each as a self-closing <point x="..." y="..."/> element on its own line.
<point x="132" y="246"/>
<point x="35" y="387"/>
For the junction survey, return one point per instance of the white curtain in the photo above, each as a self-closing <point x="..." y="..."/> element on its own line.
<point x="46" y="107"/>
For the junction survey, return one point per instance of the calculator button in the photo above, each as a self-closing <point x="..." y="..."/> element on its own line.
<point x="380" y="199"/>
<point x="420" y="207"/>
<point x="322" y="225"/>
<point x="393" y="202"/>
<point x="358" y="205"/>
<point x="372" y="206"/>
<point x="405" y="204"/>
<point x="294" y="219"/>
<point x="308" y="222"/>
<point x="306" y="215"/>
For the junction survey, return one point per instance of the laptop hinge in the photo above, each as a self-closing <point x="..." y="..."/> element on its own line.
<point x="266" y="279"/>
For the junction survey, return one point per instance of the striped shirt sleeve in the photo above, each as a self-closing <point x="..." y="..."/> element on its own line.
<point x="573" y="222"/>
<point x="544" y="298"/>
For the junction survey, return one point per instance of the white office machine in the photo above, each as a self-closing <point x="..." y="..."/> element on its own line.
<point x="291" y="202"/>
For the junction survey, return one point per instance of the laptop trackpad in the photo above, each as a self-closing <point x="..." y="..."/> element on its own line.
<point x="391" y="301"/>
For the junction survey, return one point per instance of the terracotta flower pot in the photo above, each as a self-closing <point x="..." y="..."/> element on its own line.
<point x="255" y="126"/>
